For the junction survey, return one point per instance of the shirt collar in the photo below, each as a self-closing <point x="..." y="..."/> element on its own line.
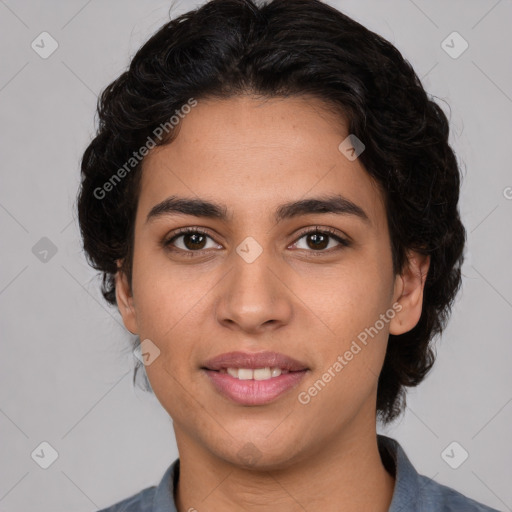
<point x="407" y="480"/>
<point x="405" y="494"/>
<point x="163" y="500"/>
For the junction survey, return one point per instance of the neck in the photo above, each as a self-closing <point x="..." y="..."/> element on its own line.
<point x="346" y="475"/>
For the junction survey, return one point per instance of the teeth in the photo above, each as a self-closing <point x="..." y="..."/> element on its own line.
<point x="245" y="374"/>
<point x="256" y="374"/>
<point x="261" y="374"/>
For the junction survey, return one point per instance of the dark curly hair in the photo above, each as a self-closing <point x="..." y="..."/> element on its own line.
<point x="279" y="49"/>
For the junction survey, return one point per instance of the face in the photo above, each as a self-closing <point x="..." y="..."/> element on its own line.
<point x="306" y="284"/>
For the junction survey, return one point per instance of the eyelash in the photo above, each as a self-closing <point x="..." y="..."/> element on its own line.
<point x="167" y="243"/>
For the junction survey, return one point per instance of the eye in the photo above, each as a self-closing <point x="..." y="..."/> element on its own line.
<point x="319" y="239"/>
<point x="193" y="240"/>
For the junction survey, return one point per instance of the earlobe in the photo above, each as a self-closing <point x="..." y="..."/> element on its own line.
<point x="125" y="302"/>
<point x="409" y="287"/>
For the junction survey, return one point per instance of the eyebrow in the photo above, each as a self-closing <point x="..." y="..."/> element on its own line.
<point x="198" y="207"/>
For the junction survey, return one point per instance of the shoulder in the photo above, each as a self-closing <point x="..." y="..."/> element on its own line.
<point x="439" y="497"/>
<point x="157" y="498"/>
<point x="140" y="502"/>
<point x="418" y="493"/>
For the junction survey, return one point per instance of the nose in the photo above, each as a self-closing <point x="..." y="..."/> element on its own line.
<point x="254" y="296"/>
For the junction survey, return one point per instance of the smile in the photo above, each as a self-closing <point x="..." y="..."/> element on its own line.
<point x="256" y="374"/>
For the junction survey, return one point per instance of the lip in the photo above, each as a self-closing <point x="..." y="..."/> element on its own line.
<point x="253" y="360"/>
<point x="254" y="392"/>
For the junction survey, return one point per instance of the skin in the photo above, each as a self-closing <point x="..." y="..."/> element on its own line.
<point x="252" y="156"/>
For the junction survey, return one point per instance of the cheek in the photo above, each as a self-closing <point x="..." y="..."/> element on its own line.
<point x="354" y="306"/>
<point x="347" y="299"/>
<point x="165" y="296"/>
<point x="172" y="391"/>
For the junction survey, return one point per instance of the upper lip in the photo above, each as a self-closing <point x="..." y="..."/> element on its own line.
<point x="253" y="360"/>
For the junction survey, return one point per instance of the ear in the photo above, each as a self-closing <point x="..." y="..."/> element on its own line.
<point x="125" y="301"/>
<point x="408" y="293"/>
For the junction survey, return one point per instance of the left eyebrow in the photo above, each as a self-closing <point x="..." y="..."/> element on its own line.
<point x="198" y="207"/>
<point x="336" y="204"/>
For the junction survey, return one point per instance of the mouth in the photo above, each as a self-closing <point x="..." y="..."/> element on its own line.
<point x="254" y="374"/>
<point x="254" y="378"/>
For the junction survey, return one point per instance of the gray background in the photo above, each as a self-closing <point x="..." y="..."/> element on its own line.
<point x="66" y="366"/>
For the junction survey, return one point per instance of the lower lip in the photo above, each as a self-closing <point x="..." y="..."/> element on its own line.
<point x="254" y="392"/>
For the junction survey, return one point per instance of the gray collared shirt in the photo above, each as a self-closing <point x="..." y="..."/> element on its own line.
<point x="413" y="492"/>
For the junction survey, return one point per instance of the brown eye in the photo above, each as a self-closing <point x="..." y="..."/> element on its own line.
<point x="318" y="240"/>
<point x="193" y="240"/>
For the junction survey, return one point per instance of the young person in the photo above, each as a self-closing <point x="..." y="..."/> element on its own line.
<point x="273" y="203"/>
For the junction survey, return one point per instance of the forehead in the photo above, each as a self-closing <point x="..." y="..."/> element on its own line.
<point x="254" y="154"/>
